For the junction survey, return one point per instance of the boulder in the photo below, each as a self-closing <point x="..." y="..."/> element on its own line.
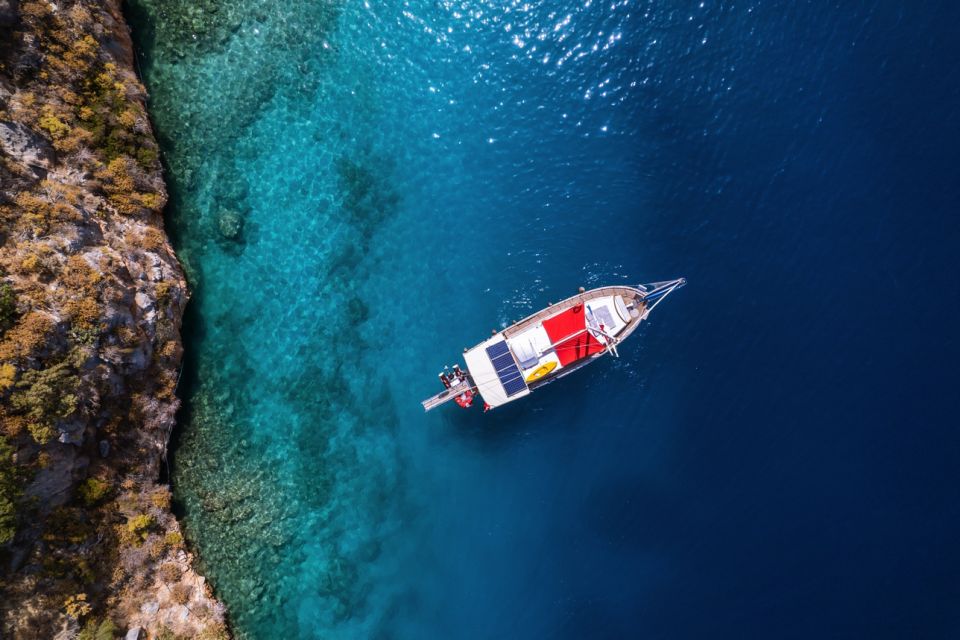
<point x="26" y="147"/>
<point x="134" y="634"/>
<point x="51" y="486"/>
<point x="9" y="13"/>
<point x="30" y="59"/>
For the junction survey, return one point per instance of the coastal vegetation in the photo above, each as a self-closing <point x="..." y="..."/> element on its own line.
<point x="91" y="297"/>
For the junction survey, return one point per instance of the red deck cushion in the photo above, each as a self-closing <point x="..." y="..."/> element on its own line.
<point x="561" y="326"/>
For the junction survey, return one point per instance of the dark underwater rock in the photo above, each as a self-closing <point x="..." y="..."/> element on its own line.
<point x="230" y="224"/>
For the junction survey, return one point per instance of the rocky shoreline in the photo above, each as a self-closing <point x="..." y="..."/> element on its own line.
<point x="91" y="302"/>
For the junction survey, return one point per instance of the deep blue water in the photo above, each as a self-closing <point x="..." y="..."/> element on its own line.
<point x="775" y="455"/>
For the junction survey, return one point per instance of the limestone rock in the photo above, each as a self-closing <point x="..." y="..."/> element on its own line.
<point x="145" y="301"/>
<point x="134" y="634"/>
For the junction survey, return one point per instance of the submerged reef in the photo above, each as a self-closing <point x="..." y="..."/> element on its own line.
<point x="286" y="468"/>
<point x="91" y="301"/>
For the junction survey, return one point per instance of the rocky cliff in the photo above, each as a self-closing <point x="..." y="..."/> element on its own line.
<point x="91" y="298"/>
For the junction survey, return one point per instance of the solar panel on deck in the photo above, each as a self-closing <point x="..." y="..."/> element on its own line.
<point x="506" y="368"/>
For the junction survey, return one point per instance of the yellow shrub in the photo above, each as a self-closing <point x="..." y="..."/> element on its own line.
<point x="8" y="375"/>
<point x="27" y="99"/>
<point x="74" y="141"/>
<point x="80" y="276"/>
<point x="35" y="9"/>
<point x="126" y="335"/>
<point x="152" y="201"/>
<point x="53" y="125"/>
<point x="128" y="118"/>
<point x="173" y="539"/>
<point x="26" y="337"/>
<point x="170" y="349"/>
<point x="36" y="213"/>
<point x="67" y="95"/>
<point x="85" y="46"/>
<point x="93" y="490"/>
<point x="161" y="498"/>
<point x="118" y="173"/>
<point x="140" y="525"/>
<point x="12" y="426"/>
<point x="31" y="263"/>
<point x="84" y="313"/>
<point x="80" y="16"/>
<point x="77" y="606"/>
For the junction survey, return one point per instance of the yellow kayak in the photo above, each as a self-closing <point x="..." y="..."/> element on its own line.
<point x="541" y="371"/>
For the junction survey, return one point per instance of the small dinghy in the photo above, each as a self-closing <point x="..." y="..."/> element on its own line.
<point x="549" y="344"/>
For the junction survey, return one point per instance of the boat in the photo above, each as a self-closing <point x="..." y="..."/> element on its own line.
<point x="549" y="344"/>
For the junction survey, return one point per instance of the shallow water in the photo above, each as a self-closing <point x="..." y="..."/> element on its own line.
<point x="361" y="190"/>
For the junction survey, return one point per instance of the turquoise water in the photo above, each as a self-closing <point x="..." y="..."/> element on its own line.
<point x="393" y="208"/>
<point x="361" y="190"/>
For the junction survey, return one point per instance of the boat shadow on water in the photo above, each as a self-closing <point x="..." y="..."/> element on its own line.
<point x="561" y="406"/>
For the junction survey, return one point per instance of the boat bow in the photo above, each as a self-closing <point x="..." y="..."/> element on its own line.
<point x="654" y="292"/>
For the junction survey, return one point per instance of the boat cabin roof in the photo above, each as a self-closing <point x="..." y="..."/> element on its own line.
<point x="494" y="370"/>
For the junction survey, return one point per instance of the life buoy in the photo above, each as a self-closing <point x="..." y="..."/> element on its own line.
<point x="541" y="371"/>
<point x="465" y="399"/>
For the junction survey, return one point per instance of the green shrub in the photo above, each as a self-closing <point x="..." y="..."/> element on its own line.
<point x="9" y="491"/>
<point x="146" y="157"/>
<point x="8" y="307"/>
<point x="41" y="432"/>
<point x="93" y="631"/>
<point x="93" y="490"/>
<point x="45" y="396"/>
<point x="140" y="525"/>
<point x="173" y="539"/>
<point x="8" y="520"/>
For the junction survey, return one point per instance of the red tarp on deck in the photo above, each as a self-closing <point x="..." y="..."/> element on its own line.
<point x="561" y="326"/>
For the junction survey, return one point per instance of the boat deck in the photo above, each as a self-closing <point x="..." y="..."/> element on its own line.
<point x="629" y="294"/>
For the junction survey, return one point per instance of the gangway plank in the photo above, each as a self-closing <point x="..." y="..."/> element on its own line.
<point x="448" y="394"/>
